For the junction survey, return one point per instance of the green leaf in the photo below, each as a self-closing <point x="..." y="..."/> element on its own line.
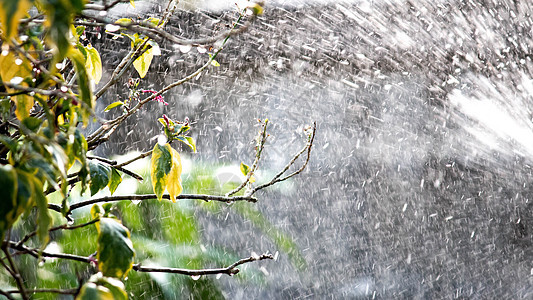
<point x="9" y="186"/>
<point x="32" y="123"/>
<point x="80" y="146"/>
<point x="84" y="86"/>
<point x="100" y="175"/>
<point x="93" y="64"/>
<point x="80" y="30"/>
<point x="115" y="180"/>
<point x="11" y="11"/>
<point x="44" y="220"/>
<point x="99" y="287"/>
<point x="142" y="63"/>
<point x="213" y="62"/>
<point x="25" y="191"/>
<point x="244" y="169"/>
<point x="8" y="142"/>
<point x="44" y="169"/>
<point x="115" y="250"/>
<point x="92" y="291"/>
<point x="160" y="166"/>
<point x="113" y="105"/>
<point x="60" y="18"/>
<point x="189" y="141"/>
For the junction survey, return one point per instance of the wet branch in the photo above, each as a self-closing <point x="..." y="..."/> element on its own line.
<point x="54" y="291"/>
<point x="15" y="273"/>
<point x="231" y="270"/>
<point x="205" y="198"/>
<point x="261" y="145"/>
<point x="278" y="178"/>
<point x="62" y="227"/>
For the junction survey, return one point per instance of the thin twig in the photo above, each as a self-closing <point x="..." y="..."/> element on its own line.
<point x="35" y="253"/>
<point x="54" y="291"/>
<point x="140" y="156"/>
<point x="15" y="273"/>
<point x="261" y="145"/>
<point x="231" y="270"/>
<point x="6" y="294"/>
<point x="205" y="198"/>
<point x="103" y="159"/>
<point x="64" y="227"/>
<point x="278" y="177"/>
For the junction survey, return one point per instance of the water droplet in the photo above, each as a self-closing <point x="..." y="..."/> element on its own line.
<point x="229" y="203"/>
<point x="220" y="275"/>
<point x="201" y="49"/>
<point x="255" y="255"/>
<point x="112" y="27"/>
<point x="59" y="66"/>
<point x="18" y="61"/>
<point x="161" y="140"/>
<point x="41" y="263"/>
<point x="16" y="80"/>
<point x="70" y="222"/>
<point x="64" y="89"/>
<point x="196" y="277"/>
<point x="185" y="48"/>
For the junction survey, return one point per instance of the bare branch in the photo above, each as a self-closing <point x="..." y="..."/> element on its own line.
<point x="6" y="294"/>
<point x="15" y="273"/>
<point x="54" y="291"/>
<point x="140" y="156"/>
<point x="278" y="178"/>
<point x="231" y="270"/>
<point x="63" y="227"/>
<point x="260" y="146"/>
<point x="205" y="198"/>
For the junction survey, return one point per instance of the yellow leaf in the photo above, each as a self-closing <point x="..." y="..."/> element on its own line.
<point x="93" y="64"/>
<point x="160" y="167"/>
<point x="132" y="3"/>
<point x="142" y="63"/>
<point x="16" y="69"/>
<point x="174" y="187"/>
<point x="11" y="11"/>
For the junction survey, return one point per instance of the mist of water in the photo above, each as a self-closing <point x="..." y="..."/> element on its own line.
<point x="419" y="184"/>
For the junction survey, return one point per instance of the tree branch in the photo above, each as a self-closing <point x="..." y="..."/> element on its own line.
<point x="205" y="198"/>
<point x="260" y="146"/>
<point x="64" y="227"/>
<point x="54" y="291"/>
<point x="278" y="178"/>
<point x="231" y="270"/>
<point x="15" y="273"/>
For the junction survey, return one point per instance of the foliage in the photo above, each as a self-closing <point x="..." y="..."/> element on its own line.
<point x="49" y="71"/>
